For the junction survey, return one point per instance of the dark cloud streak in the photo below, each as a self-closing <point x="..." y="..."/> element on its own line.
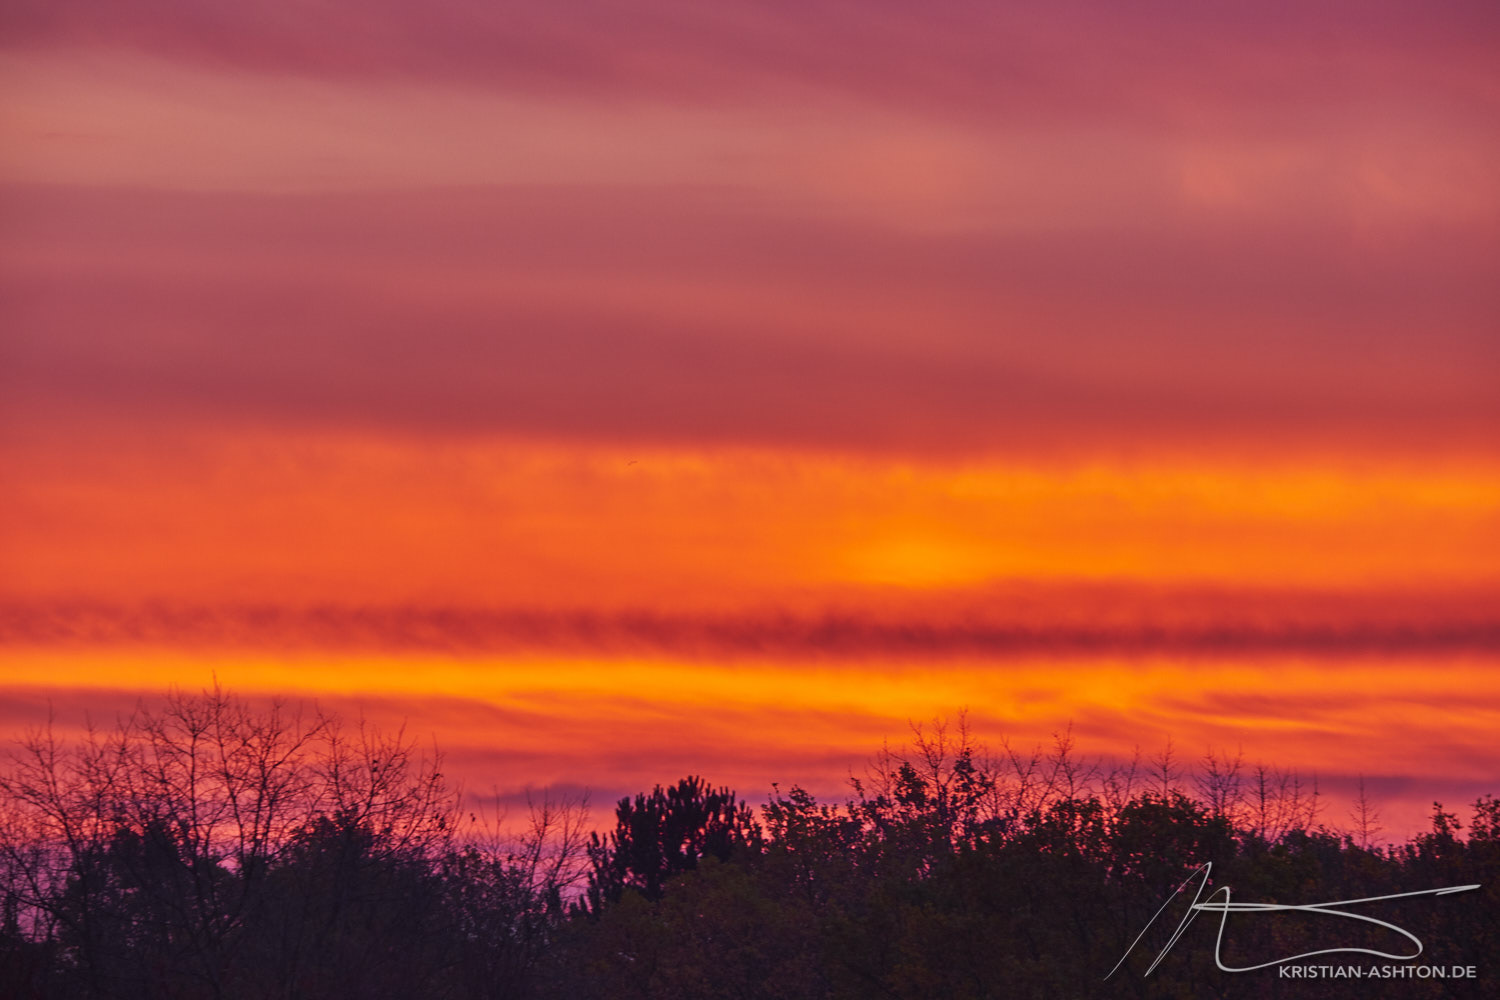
<point x="832" y="636"/>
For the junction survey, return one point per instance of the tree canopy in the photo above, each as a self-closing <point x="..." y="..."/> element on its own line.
<point x="206" y="849"/>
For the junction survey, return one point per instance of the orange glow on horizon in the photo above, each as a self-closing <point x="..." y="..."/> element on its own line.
<point x="363" y="519"/>
<point x="626" y="723"/>
<point x="721" y="393"/>
<point x="766" y="615"/>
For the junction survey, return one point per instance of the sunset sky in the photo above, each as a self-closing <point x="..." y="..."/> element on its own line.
<point x="621" y="391"/>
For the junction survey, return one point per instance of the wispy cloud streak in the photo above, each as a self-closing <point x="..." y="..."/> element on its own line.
<point x="857" y="636"/>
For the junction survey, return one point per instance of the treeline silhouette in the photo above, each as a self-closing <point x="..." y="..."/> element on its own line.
<point x="207" y="849"/>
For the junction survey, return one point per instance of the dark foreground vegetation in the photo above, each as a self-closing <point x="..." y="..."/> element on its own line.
<point x="207" y="850"/>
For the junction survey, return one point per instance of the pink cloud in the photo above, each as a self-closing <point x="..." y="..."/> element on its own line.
<point x="1175" y="62"/>
<point x="641" y="314"/>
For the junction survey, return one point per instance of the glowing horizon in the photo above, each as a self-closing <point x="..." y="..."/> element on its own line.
<point x="605" y="374"/>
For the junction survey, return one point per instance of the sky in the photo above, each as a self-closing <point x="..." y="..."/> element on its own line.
<point x="618" y="391"/>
